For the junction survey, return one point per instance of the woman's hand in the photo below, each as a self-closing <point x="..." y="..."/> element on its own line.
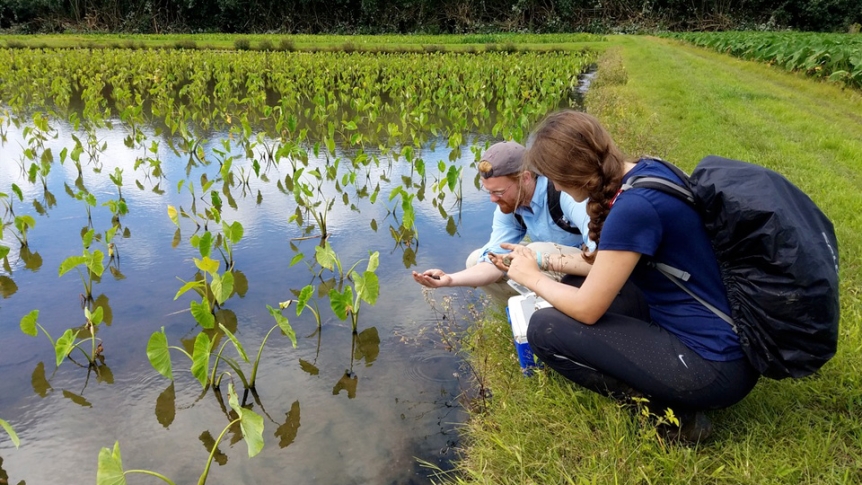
<point x="520" y="264"/>
<point x="433" y="278"/>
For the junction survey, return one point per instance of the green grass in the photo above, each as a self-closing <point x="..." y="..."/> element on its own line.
<point x="682" y="103"/>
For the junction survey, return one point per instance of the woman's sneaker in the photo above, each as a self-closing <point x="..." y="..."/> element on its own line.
<point x="693" y="428"/>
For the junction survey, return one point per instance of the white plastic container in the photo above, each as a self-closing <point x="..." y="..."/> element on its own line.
<point x="519" y="311"/>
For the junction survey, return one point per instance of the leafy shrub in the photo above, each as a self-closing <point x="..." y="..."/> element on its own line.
<point x="286" y="44"/>
<point x="186" y="44"/>
<point x="242" y="44"/>
<point x="264" y="45"/>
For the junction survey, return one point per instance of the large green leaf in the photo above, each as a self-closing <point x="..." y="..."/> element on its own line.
<point x="368" y="288"/>
<point x="87" y="238"/>
<point x="283" y="324"/>
<point x="173" y="214"/>
<point x="250" y="422"/>
<point x="11" y="433"/>
<point x="159" y="355"/>
<point x="222" y="287"/>
<point x="233" y="232"/>
<point x="202" y="314"/>
<point x="325" y="256"/>
<point x="4" y="251"/>
<point x="95" y="317"/>
<point x="207" y="264"/>
<point x="110" y="470"/>
<point x="205" y="244"/>
<point x="297" y="258"/>
<point x="373" y="261"/>
<point x="28" y="323"/>
<point x="304" y="296"/>
<point x="201" y="358"/>
<point x="71" y="262"/>
<point x="341" y="303"/>
<point x="188" y="286"/>
<point x="64" y="345"/>
<point x="236" y="343"/>
<point x="452" y="177"/>
<point x="23" y="223"/>
<point x="96" y="264"/>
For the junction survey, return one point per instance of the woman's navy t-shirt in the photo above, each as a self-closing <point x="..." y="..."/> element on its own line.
<point x="667" y="230"/>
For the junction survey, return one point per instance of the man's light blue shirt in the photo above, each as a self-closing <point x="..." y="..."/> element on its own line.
<point x="540" y="226"/>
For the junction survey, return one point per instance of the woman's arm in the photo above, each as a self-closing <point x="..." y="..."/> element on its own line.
<point x="586" y="304"/>
<point x="573" y="264"/>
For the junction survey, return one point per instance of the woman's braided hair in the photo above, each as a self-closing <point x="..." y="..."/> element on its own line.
<point x="573" y="150"/>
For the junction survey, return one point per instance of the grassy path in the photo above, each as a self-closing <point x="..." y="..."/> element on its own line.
<point x="683" y="103"/>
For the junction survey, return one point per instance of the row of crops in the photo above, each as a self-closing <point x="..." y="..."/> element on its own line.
<point x="240" y="120"/>
<point x="837" y="57"/>
<point x="400" y="98"/>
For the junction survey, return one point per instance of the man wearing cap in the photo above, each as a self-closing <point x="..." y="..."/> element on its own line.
<point x="554" y="225"/>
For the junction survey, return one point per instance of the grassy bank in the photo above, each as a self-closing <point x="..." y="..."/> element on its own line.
<point x="682" y="103"/>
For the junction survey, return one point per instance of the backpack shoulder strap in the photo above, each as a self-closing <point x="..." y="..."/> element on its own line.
<point x="684" y="193"/>
<point x="680" y="191"/>
<point x="556" y="211"/>
<point x="520" y="220"/>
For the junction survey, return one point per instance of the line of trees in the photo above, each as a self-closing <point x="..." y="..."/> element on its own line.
<point x="426" y="16"/>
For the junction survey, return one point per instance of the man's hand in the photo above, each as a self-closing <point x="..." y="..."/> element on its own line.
<point x="433" y="278"/>
<point x="520" y="264"/>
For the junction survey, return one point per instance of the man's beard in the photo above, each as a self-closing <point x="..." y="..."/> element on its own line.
<point x="505" y="207"/>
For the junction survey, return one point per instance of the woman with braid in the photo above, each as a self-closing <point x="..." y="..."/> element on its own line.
<point x="683" y="356"/>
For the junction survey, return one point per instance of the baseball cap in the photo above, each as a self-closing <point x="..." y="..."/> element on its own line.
<point x="501" y="159"/>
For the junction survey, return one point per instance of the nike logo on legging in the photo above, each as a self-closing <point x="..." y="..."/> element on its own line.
<point x="683" y="362"/>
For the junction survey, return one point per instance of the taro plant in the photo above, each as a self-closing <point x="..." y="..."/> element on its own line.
<point x="303" y="302"/>
<point x="90" y="265"/>
<point x="69" y="341"/>
<point x="90" y="201"/>
<point x="8" y="201"/>
<point x="110" y="466"/>
<point x="11" y="432"/>
<point x="213" y="287"/>
<point x="225" y="242"/>
<point x="23" y="224"/>
<point x="347" y="301"/>
<point x="158" y="352"/>
<point x="318" y="208"/>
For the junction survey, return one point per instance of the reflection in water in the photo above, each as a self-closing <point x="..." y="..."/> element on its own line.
<point x="347" y="382"/>
<point x="286" y="433"/>
<point x="107" y="313"/>
<point x="4" y="477"/>
<point x="166" y="408"/>
<point x="39" y="382"/>
<point x="77" y="399"/>
<point x="209" y="443"/>
<point x="367" y="345"/>
<point x="7" y="286"/>
<point x="32" y="261"/>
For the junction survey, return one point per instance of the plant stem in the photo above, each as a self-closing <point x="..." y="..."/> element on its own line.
<point x="257" y="361"/>
<point x="148" y="472"/>
<point x="203" y="478"/>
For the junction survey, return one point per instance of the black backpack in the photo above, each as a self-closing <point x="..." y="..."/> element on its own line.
<point x="778" y="256"/>
<point x="556" y="212"/>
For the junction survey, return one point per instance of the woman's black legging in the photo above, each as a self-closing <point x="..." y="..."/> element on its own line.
<point x="624" y="352"/>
